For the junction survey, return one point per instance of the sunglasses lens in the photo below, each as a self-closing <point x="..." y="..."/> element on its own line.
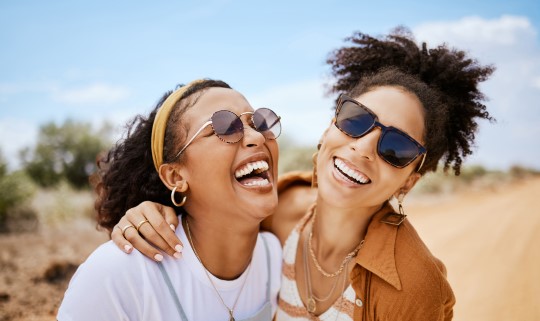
<point x="227" y="126"/>
<point x="267" y="123"/>
<point x="353" y="119"/>
<point x="397" y="149"/>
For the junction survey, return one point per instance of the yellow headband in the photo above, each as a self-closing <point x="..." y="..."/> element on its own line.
<point x="160" y="122"/>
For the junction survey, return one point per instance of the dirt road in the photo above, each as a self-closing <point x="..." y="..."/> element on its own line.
<point x="490" y="244"/>
<point x="489" y="241"/>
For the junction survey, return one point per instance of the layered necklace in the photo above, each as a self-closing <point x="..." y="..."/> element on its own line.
<point x="312" y="298"/>
<point x="230" y="310"/>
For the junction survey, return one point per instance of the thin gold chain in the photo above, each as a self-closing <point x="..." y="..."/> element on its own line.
<point x="307" y="275"/>
<point x="312" y="298"/>
<point x="230" y="310"/>
<point x="316" y="262"/>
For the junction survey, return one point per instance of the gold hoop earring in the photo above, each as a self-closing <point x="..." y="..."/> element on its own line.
<point x="395" y="218"/>
<point x="314" y="183"/>
<point x="173" y="198"/>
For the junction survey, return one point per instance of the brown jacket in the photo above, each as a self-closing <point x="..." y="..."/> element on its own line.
<point x="395" y="276"/>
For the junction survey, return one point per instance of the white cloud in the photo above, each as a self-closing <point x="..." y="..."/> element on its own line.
<point x="511" y="44"/>
<point x="92" y="93"/>
<point x="504" y="31"/>
<point x="95" y="93"/>
<point x="536" y="83"/>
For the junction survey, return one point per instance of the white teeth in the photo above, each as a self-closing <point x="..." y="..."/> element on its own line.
<point x="250" y="167"/>
<point x="350" y="172"/>
<point x="261" y="182"/>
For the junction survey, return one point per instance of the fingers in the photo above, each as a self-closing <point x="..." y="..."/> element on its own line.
<point x="142" y="245"/>
<point x="118" y="238"/>
<point x="160" y="231"/>
<point x="167" y="228"/>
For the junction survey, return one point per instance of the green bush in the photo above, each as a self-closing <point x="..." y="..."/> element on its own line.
<point x="16" y="189"/>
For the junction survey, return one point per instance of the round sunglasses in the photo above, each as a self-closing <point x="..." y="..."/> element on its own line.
<point x="229" y="127"/>
<point x="395" y="146"/>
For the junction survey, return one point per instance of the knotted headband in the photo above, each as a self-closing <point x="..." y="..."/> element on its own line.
<point x="160" y="122"/>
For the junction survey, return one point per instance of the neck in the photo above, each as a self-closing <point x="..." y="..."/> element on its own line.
<point x="338" y="231"/>
<point x="224" y="247"/>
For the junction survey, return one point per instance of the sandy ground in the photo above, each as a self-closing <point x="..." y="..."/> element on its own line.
<point x="487" y="240"/>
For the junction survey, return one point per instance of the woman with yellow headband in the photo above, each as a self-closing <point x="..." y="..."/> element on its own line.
<point x="348" y="255"/>
<point x="205" y="151"/>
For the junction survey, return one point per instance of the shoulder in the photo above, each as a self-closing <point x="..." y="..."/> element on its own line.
<point x="273" y="262"/>
<point x="423" y="276"/>
<point x="109" y="262"/>
<point x="271" y="241"/>
<point x="409" y="243"/>
<point x="104" y="280"/>
<point x="295" y="197"/>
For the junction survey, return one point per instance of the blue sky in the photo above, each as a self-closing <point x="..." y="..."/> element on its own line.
<point x="109" y="60"/>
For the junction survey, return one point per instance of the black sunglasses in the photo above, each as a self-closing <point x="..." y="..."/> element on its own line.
<point x="395" y="146"/>
<point x="229" y="127"/>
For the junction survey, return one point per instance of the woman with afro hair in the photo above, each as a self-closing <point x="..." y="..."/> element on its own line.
<point x="402" y="109"/>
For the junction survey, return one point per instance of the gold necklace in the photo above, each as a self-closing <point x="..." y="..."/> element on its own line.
<point x="316" y="262"/>
<point x="230" y="310"/>
<point x="312" y="298"/>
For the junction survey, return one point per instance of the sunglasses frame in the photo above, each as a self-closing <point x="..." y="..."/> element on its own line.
<point x="209" y="122"/>
<point x="384" y="129"/>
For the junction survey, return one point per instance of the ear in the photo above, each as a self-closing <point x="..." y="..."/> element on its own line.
<point x="171" y="175"/>
<point x="408" y="184"/>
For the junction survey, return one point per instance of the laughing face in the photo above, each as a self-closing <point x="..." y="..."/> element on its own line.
<point x="350" y="171"/>
<point x="239" y="178"/>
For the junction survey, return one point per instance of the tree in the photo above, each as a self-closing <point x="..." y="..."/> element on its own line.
<point x="65" y="152"/>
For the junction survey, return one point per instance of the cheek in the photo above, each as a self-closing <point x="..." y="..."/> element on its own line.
<point x="333" y="138"/>
<point x="213" y="162"/>
<point x="392" y="179"/>
<point x="273" y="151"/>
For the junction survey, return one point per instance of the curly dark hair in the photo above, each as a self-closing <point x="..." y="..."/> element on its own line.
<point x="126" y="175"/>
<point x="444" y="79"/>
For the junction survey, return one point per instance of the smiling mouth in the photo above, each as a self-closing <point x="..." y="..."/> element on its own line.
<point x="350" y="174"/>
<point x="253" y="174"/>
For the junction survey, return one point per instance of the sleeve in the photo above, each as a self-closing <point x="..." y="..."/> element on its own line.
<point x="294" y="178"/>
<point x="101" y="288"/>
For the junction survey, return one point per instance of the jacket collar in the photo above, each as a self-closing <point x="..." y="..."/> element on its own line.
<point x="378" y="252"/>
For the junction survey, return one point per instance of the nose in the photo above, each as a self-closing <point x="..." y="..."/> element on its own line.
<point x="366" y="146"/>
<point x="252" y="138"/>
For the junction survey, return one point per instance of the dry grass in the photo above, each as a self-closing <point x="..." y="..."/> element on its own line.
<point x="485" y="230"/>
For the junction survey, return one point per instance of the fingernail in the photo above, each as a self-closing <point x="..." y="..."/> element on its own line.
<point x="158" y="257"/>
<point x="177" y="255"/>
<point x="178" y="248"/>
<point x="172" y="227"/>
<point x="127" y="248"/>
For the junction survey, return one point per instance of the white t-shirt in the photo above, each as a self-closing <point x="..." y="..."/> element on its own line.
<point x="112" y="285"/>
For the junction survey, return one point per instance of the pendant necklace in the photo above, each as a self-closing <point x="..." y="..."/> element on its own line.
<point x="230" y="310"/>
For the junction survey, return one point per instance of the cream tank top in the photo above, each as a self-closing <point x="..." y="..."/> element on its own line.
<point x="290" y="305"/>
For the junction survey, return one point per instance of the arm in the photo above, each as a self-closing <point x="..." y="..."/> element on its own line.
<point x="157" y="233"/>
<point x="295" y="196"/>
